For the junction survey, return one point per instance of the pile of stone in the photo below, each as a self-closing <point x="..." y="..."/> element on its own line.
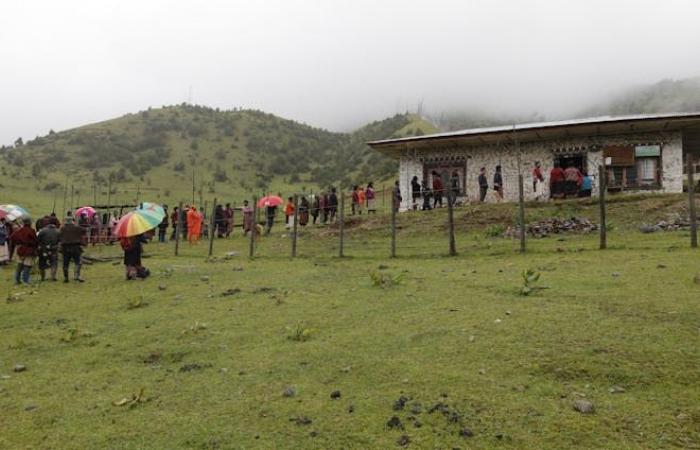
<point x="544" y="228"/>
<point x="672" y="223"/>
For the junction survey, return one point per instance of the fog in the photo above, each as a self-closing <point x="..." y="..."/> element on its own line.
<point x="331" y="63"/>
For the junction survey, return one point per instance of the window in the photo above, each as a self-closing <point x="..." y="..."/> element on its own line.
<point x="633" y="167"/>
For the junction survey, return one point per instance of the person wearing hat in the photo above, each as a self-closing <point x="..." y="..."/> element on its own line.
<point x="25" y="242"/>
<point x="71" y="238"/>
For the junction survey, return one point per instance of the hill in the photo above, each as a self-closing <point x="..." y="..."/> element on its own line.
<point x="229" y="153"/>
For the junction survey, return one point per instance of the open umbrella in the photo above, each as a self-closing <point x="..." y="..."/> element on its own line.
<point x="270" y="200"/>
<point x="135" y="223"/>
<point x="89" y="211"/>
<point x="151" y="209"/>
<point x="13" y="212"/>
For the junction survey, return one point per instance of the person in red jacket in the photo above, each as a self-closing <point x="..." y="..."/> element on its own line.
<point x="556" y="181"/>
<point x="438" y="189"/>
<point x="25" y="243"/>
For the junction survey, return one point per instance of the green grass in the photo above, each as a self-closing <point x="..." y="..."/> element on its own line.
<point x="451" y="330"/>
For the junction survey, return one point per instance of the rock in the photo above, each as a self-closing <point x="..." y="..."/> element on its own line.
<point x="416" y="408"/>
<point x="394" y="422"/>
<point x="616" y="390"/>
<point x="238" y="269"/>
<point x="497" y="321"/>
<point x="615" y="274"/>
<point x="204" y="278"/>
<point x="162" y="287"/>
<point x="682" y="416"/>
<point x="301" y="420"/>
<point x="289" y="391"/>
<point x="19" y="368"/>
<point x="466" y="432"/>
<point x="313" y="434"/>
<point x="482" y="371"/>
<point x="661" y="266"/>
<point x="229" y="292"/>
<point x="400" y="403"/>
<point x="351" y="409"/>
<point x="231" y="254"/>
<point x="472" y="338"/>
<point x="584" y="406"/>
<point x="697" y="279"/>
<point x="508" y="313"/>
<point x="335" y="395"/>
<point x="346" y="369"/>
<point x="30" y="407"/>
<point x="403" y="441"/>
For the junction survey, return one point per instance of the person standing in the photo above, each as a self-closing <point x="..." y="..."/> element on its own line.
<point x="361" y="199"/>
<point x="371" y="198"/>
<point x="173" y="222"/>
<point x="396" y="198"/>
<point x="71" y="238"/>
<point x="332" y="205"/>
<point x="538" y="181"/>
<point x="556" y="181"/>
<point x="438" y="189"/>
<point x="323" y="207"/>
<point x="572" y="181"/>
<point x="247" y="217"/>
<point x="314" y="208"/>
<point x="498" y="184"/>
<point x="48" y="238"/>
<point x="455" y="187"/>
<point x="25" y="243"/>
<point x="228" y="220"/>
<point x="219" y="222"/>
<point x="183" y="221"/>
<point x="289" y="213"/>
<point x="415" y="192"/>
<point x="483" y="185"/>
<point x="163" y="225"/>
<point x="303" y="211"/>
<point x="194" y="225"/>
<point x="586" y="185"/>
<point x="355" y="200"/>
<point x="4" y="239"/>
<point x="427" y="194"/>
<point x="270" y="213"/>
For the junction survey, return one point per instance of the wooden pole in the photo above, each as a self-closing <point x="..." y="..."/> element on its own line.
<point x="72" y="191"/>
<point x="254" y="228"/>
<point x="691" y="203"/>
<point x="178" y="228"/>
<point x="521" y="211"/>
<point x="233" y="217"/>
<point x="393" y="224"/>
<point x="341" y="227"/>
<point x="109" y="192"/>
<point x="602" y="187"/>
<point x="211" y="228"/>
<point x="451" y="198"/>
<point x="295" y="217"/>
<point x="65" y="198"/>
<point x="193" y="188"/>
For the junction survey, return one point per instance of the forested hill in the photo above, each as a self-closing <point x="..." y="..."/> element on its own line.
<point x="246" y="150"/>
<point x="664" y="96"/>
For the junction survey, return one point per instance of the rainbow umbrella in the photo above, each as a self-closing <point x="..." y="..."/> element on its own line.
<point x="135" y="223"/>
<point x="151" y="209"/>
<point x="13" y="212"/>
<point x="89" y="211"/>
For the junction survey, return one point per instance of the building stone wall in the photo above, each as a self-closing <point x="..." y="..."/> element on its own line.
<point x="545" y="152"/>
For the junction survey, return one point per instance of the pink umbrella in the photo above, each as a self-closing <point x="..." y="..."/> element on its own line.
<point x="87" y="210"/>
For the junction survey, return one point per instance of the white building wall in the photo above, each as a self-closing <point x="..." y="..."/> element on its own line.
<point x="545" y="153"/>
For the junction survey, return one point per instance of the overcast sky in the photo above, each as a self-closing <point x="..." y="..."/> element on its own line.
<point x="330" y="63"/>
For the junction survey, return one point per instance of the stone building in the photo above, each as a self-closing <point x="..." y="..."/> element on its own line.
<point x="640" y="153"/>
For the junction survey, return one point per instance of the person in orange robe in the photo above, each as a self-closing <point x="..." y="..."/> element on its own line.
<point x="194" y="225"/>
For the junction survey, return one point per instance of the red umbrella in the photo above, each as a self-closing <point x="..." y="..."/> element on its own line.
<point x="270" y="200"/>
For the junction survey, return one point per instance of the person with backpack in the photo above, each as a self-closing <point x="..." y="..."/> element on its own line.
<point x="133" y="249"/>
<point x="4" y="238"/>
<point x="48" y="238"/>
<point x="70" y="237"/>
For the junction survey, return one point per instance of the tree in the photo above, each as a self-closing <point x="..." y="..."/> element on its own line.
<point x="19" y="142"/>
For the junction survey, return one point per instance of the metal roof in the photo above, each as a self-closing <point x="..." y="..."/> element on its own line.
<point x="537" y="131"/>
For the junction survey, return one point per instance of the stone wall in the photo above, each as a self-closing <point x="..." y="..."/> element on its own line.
<point x="545" y="152"/>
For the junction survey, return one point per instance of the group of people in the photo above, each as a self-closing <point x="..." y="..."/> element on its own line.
<point x="45" y="243"/>
<point x="569" y="182"/>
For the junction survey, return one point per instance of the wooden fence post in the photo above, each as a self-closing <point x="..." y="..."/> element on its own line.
<point x="341" y="226"/>
<point x="295" y="217"/>
<point x="691" y="203"/>
<point x="393" y="224"/>
<point x="212" y="221"/>
<point x="254" y="228"/>
<point x="451" y="198"/>
<point x="521" y="212"/>
<point x="178" y="228"/>
<point x="602" y="187"/>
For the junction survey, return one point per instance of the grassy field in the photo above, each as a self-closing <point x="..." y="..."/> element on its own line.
<point x="240" y="353"/>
